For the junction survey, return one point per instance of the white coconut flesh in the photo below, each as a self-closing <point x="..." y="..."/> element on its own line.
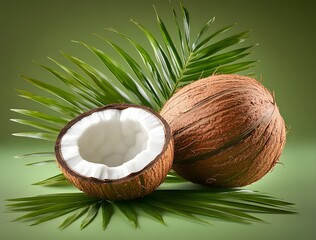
<point x="112" y="144"/>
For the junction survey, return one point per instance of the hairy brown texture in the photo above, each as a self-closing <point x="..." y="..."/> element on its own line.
<point x="135" y="185"/>
<point x="227" y="130"/>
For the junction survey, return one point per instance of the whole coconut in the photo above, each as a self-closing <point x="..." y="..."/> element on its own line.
<point x="227" y="130"/>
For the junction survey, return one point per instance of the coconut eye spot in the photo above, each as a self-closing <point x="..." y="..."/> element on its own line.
<point x="112" y="143"/>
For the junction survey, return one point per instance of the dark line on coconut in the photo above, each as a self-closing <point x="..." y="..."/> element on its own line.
<point x="235" y="141"/>
<point x="233" y="130"/>
<point x="210" y="139"/>
<point x="253" y="158"/>
<point x="191" y="143"/>
<point x="247" y="148"/>
<point x="250" y="146"/>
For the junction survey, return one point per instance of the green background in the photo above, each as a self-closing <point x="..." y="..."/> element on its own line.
<point x="285" y="31"/>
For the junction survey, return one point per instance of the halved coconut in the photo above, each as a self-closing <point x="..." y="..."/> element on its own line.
<point x="116" y="152"/>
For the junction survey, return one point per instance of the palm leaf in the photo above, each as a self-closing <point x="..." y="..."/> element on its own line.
<point x="148" y="86"/>
<point x="86" y="100"/>
<point x="172" y="177"/>
<point x="129" y="212"/>
<point x="60" y="93"/>
<point x="180" y="212"/>
<point x="36" y="125"/>
<point x="110" y="90"/>
<point x="151" y="211"/>
<point x="73" y="217"/>
<point x="36" y="154"/>
<point x="202" y="32"/>
<point x="107" y="212"/>
<point x="91" y="214"/>
<point x="40" y="163"/>
<point x="202" y="43"/>
<point x="183" y="48"/>
<point x="157" y="80"/>
<point x="57" y="180"/>
<point x="197" y="205"/>
<point x="81" y="84"/>
<point x="171" y="48"/>
<point x="37" y="135"/>
<point x="50" y="103"/>
<point x="59" y="121"/>
<point x="166" y="69"/>
<point x="186" y="26"/>
<point x="133" y="85"/>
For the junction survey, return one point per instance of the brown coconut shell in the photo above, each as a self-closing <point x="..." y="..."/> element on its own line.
<point x="227" y="130"/>
<point x="135" y="185"/>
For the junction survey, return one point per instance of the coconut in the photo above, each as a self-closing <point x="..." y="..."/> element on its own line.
<point x="116" y="152"/>
<point x="227" y="130"/>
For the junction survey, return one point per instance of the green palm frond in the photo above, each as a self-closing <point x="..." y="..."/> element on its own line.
<point x="199" y="205"/>
<point x="57" y="180"/>
<point x="45" y="157"/>
<point x="151" y="80"/>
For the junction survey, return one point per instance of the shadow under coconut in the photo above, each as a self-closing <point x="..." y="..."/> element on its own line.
<point x="194" y="203"/>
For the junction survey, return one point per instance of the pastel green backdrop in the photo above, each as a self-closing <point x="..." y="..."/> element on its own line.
<point x="285" y="31"/>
